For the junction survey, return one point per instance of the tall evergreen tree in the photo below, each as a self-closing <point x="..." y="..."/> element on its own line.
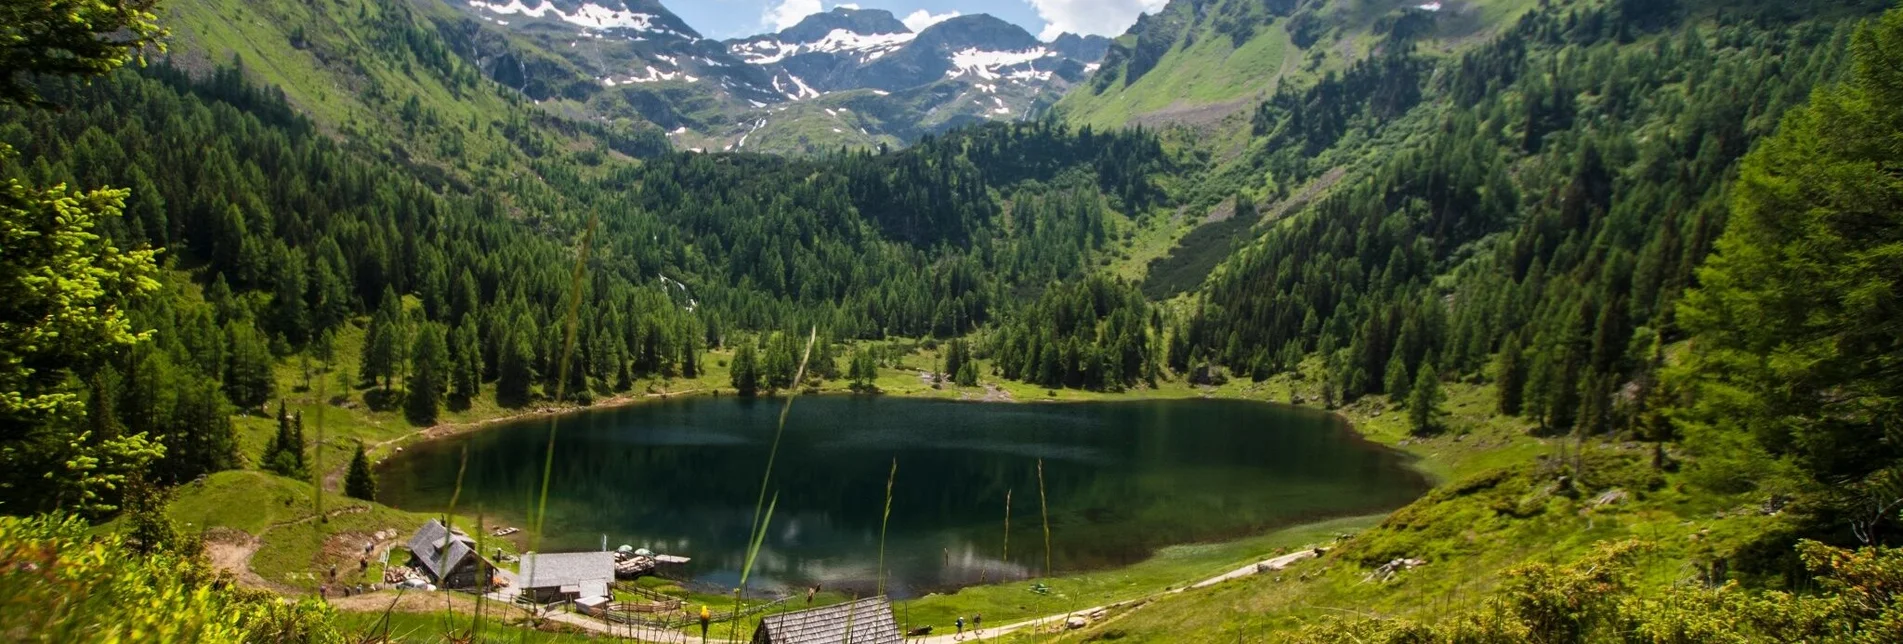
<point x="1797" y="345"/>
<point x="745" y="373"/>
<point x="249" y="380"/>
<point x="429" y="375"/>
<point x="1509" y="375"/>
<point x="864" y="371"/>
<point x="1424" y="400"/>
<point x="285" y="453"/>
<point x="465" y="365"/>
<point x="1397" y="378"/>
<point x="360" y="482"/>
<point x="515" y="370"/>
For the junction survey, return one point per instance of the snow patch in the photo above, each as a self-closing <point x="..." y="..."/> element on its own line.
<point x="743" y="137"/>
<point x="800" y="90"/>
<point x="651" y="75"/>
<point x="587" y="16"/>
<point x="988" y="65"/>
<point x="869" y="47"/>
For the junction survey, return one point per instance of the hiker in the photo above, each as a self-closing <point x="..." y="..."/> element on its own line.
<point x="960" y="623"/>
<point x="706" y="617"/>
<point x="977" y="622"/>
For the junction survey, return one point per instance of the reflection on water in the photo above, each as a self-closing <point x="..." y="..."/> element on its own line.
<point x="1123" y="479"/>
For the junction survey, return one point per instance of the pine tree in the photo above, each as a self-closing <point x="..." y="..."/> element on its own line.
<point x="745" y="374"/>
<point x="690" y="358"/>
<point x="1397" y="380"/>
<point x="781" y="363"/>
<point x="1796" y="346"/>
<point x="429" y="375"/>
<point x="1423" y="402"/>
<point x="864" y="371"/>
<point x="249" y="381"/>
<point x="465" y="366"/>
<point x="955" y="357"/>
<point x="284" y="455"/>
<point x="515" y="360"/>
<point x="967" y="375"/>
<point x="360" y="482"/>
<point x="1509" y="375"/>
<point x="385" y="342"/>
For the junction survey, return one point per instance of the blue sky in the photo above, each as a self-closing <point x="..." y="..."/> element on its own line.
<point x="1046" y="18"/>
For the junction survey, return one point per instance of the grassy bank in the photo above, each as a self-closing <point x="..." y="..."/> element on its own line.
<point x="1504" y="500"/>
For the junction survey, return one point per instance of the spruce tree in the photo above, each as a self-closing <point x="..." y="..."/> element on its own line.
<point x="248" y="378"/>
<point x="1509" y="375"/>
<point x="745" y="374"/>
<point x="360" y="482"/>
<point x="284" y="455"/>
<point x="515" y="360"/>
<point x="1396" y="382"/>
<point x="1424" y="399"/>
<point x="466" y="365"/>
<point x="864" y="371"/>
<point x="429" y="376"/>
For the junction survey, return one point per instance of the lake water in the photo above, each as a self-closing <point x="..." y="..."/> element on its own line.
<point x="1122" y="479"/>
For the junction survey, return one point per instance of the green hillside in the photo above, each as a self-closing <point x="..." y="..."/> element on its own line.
<point x="1196" y="62"/>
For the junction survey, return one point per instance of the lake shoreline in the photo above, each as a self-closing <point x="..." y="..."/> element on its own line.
<point x="443" y="431"/>
<point x="529" y="422"/>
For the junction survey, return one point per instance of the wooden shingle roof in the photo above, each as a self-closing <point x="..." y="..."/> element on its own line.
<point x="441" y="550"/>
<point x="568" y="569"/>
<point x="867" y="621"/>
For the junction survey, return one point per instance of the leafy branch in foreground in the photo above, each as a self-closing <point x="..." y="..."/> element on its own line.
<point x="72" y="38"/>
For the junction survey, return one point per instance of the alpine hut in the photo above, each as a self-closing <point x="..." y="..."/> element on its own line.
<point x="448" y="557"/>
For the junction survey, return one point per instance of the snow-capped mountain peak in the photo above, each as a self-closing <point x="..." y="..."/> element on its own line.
<point x="861" y="74"/>
<point x="592" y="15"/>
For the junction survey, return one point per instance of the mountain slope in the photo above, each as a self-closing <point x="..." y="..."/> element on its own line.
<point x="1200" y="61"/>
<point x="867" y="78"/>
<point x="623" y="59"/>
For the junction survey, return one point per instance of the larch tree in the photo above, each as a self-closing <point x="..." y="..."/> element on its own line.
<point x="1798" y="322"/>
<point x="429" y="375"/>
<point x="745" y="373"/>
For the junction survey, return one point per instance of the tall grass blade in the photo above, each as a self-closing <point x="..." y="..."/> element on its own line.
<point x="1007" y="527"/>
<point x="1044" y="508"/>
<point x="449" y="515"/>
<point x="883" y="521"/>
<point x="561" y="378"/>
<point x="774" y="453"/>
<point x="746" y="570"/>
<point x="757" y="534"/>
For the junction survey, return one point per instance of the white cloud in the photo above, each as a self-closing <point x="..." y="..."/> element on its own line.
<point x="921" y="19"/>
<point x="787" y="13"/>
<point x="1099" y="17"/>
